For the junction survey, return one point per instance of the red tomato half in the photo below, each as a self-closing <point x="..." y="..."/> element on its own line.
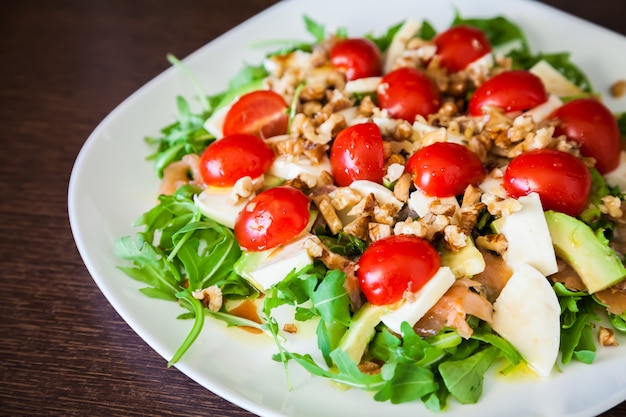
<point x="515" y="90"/>
<point x="233" y="157"/>
<point x="408" y="92"/>
<point x="272" y="218"/>
<point x="261" y="113"/>
<point x="562" y="181"/>
<point x="591" y="123"/>
<point x="445" y="169"/>
<point x="357" y="154"/>
<point x="461" y="45"/>
<point x="396" y="264"/>
<point x="357" y="57"/>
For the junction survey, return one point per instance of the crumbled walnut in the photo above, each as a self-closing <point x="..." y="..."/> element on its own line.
<point x="454" y="237"/>
<point x="606" y="337"/>
<point x="211" y="297"/>
<point x="369" y="368"/>
<point x="402" y="189"/>
<point x="434" y="223"/>
<point x="437" y="207"/>
<point x="244" y="187"/>
<point x="318" y="250"/>
<point x="290" y="328"/>
<point x="471" y="196"/>
<point x="410" y="227"/>
<point x="359" y="227"/>
<point x="325" y="206"/>
<point x="377" y="231"/>
<point x="618" y="89"/>
<point x="612" y="206"/>
<point x="499" y="206"/>
<point x="344" y="197"/>
<point x="494" y="242"/>
<point x="365" y="207"/>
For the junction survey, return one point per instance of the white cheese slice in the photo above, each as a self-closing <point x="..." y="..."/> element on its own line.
<point x="409" y="29"/>
<point x="493" y="184"/>
<point x="554" y="81"/>
<point x="280" y="262"/>
<point x="217" y="204"/>
<point x="285" y="166"/>
<point x="618" y="175"/>
<point x="414" y="309"/>
<point x="362" y="85"/>
<point x="527" y="314"/>
<point x="544" y="110"/>
<point x="215" y="124"/>
<point x="528" y="237"/>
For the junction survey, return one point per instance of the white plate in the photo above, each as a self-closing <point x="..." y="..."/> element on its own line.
<point x="111" y="185"/>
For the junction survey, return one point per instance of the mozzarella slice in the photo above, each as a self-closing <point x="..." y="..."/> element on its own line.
<point x="414" y="309"/>
<point x="554" y="81"/>
<point x="215" y="124"/>
<point x="216" y="203"/>
<point x="362" y="85"/>
<point x="527" y="314"/>
<point x="528" y="236"/>
<point x="280" y="262"/>
<point x="399" y="41"/>
<point x="284" y="166"/>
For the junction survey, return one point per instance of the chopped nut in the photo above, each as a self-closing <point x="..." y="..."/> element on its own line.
<point x="498" y="206"/>
<point x="606" y="337"/>
<point x="378" y="231"/>
<point x="410" y="227"/>
<point x="403" y="187"/>
<point x="344" y="197"/>
<point x="318" y="250"/>
<point x="324" y="204"/>
<point x="612" y="206"/>
<point x="359" y="227"/>
<point x="369" y="368"/>
<point x="618" y="89"/>
<point x="290" y="328"/>
<point x="211" y="297"/>
<point x="454" y="237"/>
<point x="494" y="242"/>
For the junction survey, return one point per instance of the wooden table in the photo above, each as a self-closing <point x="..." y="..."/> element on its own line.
<point x="63" y="349"/>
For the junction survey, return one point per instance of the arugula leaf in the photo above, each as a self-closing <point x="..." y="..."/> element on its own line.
<point x="406" y="382"/>
<point x="577" y="317"/>
<point x="314" y="28"/>
<point x="464" y="378"/>
<point x="187" y="135"/>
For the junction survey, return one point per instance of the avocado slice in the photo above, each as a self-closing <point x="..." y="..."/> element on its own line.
<point x="361" y="330"/>
<point x="590" y="256"/>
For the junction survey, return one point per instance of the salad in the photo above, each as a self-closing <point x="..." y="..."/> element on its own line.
<point x="434" y="202"/>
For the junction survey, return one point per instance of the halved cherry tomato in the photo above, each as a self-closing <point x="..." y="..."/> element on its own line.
<point x="408" y="92"/>
<point x="461" y="45"/>
<point x="445" y="169"/>
<point x="260" y="113"/>
<point x="272" y="218"/>
<point x="357" y="154"/>
<point x="235" y="156"/>
<point x="357" y="57"/>
<point x="562" y="181"/>
<point x="514" y="90"/>
<point x="591" y="124"/>
<point x="396" y="264"/>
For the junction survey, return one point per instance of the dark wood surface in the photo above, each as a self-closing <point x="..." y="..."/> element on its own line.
<point x="63" y="66"/>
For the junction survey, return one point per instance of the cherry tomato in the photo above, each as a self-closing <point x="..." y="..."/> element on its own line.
<point x="461" y="45"/>
<point x="445" y="169"/>
<point x="261" y="113"/>
<point x="593" y="126"/>
<point x="391" y="266"/>
<point x="272" y="218"/>
<point x="357" y="154"/>
<point x="357" y="57"/>
<point x="408" y="92"/>
<point x="514" y="90"/>
<point x="233" y="157"/>
<point x="562" y="180"/>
